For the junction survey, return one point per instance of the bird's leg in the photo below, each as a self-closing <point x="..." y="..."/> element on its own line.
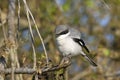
<point x="65" y="60"/>
<point x="69" y="56"/>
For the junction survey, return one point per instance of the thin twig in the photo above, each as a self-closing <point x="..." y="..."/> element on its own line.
<point x="107" y="6"/>
<point x="32" y="40"/>
<point x="36" y="29"/>
<point x="3" y="22"/>
<point x="18" y="25"/>
<point x="3" y="27"/>
<point x="32" y="37"/>
<point x="34" y="55"/>
<point x="81" y="75"/>
<point x="18" y="21"/>
<point x="18" y="28"/>
<point x="39" y="36"/>
<point x="113" y="74"/>
<point x="36" y="77"/>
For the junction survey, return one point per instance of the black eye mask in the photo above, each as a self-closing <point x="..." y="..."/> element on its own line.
<point x="64" y="32"/>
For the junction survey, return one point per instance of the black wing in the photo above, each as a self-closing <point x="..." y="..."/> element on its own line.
<point x="81" y="43"/>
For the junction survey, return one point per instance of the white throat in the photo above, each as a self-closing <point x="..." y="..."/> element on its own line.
<point x="63" y="36"/>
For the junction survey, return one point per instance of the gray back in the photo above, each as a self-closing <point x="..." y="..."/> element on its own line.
<point x="74" y="33"/>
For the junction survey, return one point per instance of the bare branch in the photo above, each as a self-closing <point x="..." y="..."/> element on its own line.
<point x="31" y="71"/>
<point x="106" y="5"/>
<point x="36" y="29"/>
<point x="81" y="75"/>
<point x="32" y="37"/>
<point x="2" y="24"/>
<point x="113" y="74"/>
<point x="11" y="22"/>
<point x="12" y="34"/>
<point x="18" y="19"/>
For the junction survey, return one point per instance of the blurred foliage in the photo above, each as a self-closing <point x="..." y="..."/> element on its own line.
<point x="98" y="20"/>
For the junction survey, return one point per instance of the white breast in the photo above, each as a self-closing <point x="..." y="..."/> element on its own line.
<point x="67" y="46"/>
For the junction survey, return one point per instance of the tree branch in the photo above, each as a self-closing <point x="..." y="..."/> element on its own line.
<point x="31" y="70"/>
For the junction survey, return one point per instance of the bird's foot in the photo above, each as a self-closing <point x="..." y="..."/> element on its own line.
<point x="65" y="60"/>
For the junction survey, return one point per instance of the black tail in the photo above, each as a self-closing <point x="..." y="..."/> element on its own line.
<point x="90" y="60"/>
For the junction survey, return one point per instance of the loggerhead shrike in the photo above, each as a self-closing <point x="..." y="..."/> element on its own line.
<point x="69" y="42"/>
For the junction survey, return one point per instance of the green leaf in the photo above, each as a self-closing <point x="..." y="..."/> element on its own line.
<point x="66" y="6"/>
<point x="106" y="52"/>
<point x="90" y="3"/>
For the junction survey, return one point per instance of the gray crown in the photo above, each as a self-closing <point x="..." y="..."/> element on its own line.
<point x="61" y="28"/>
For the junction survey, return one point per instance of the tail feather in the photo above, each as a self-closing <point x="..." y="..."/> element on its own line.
<point x="90" y="60"/>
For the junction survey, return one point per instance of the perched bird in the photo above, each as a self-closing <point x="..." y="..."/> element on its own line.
<point x="69" y="42"/>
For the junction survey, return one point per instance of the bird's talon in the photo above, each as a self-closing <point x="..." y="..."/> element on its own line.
<point x="65" y="60"/>
<point x="38" y="71"/>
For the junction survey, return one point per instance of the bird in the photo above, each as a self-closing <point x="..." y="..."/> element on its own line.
<point x="69" y="42"/>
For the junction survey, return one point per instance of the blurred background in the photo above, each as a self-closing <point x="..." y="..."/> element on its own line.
<point x="98" y="21"/>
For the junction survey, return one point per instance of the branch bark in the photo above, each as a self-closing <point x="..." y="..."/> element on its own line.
<point x="11" y="21"/>
<point x="31" y="70"/>
<point x="11" y="34"/>
<point x="12" y="43"/>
